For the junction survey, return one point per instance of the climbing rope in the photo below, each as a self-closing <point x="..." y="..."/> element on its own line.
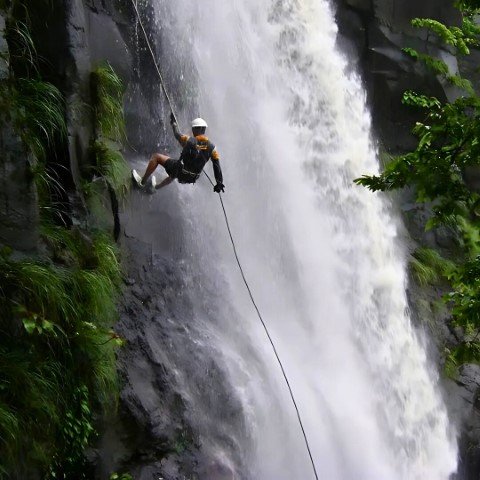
<point x="162" y="83"/>
<point x="254" y="303"/>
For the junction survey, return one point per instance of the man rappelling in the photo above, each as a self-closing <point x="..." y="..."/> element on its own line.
<point x="197" y="151"/>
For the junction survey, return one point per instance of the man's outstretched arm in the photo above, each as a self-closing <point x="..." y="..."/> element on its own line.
<point x="182" y="139"/>
<point x="217" y="171"/>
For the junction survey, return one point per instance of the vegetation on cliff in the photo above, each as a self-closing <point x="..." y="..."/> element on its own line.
<point x="107" y="96"/>
<point x="57" y="360"/>
<point x="448" y="144"/>
<point x="57" y="349"/>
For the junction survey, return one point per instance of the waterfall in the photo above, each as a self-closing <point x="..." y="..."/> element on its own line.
<point x="324" y="257"/>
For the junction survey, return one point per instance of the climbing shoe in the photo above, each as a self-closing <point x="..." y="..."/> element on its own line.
<point x="137" y="179"/>
<point x="151" y="184"/>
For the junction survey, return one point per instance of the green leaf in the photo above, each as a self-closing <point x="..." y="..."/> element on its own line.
<point x="414" y="99"/>
<point x="29" y="325"/>
<point x="120" y="342"/>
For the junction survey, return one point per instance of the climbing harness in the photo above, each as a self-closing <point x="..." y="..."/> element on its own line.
<point x="188" y="177"/>
<point x="195" y="176"/>
<point x="162" y="83"/>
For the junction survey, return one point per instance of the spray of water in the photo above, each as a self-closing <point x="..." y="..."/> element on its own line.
<point x="322" y="254"/>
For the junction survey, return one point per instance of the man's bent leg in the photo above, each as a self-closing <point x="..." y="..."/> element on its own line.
<point x="165" y="182"/>
<point x="157" y="159"/>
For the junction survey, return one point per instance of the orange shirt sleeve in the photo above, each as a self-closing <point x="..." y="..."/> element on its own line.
<point x="215" y="155"/>
<point x="183" y="139"/>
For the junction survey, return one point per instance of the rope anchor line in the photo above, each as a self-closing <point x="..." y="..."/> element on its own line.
<point x="232" y="240"/>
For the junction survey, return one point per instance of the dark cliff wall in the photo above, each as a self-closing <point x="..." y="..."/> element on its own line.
<point x="372" y="33"/>
<point x="18" y="196"/>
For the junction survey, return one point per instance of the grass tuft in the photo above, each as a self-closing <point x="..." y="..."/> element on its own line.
<point x="429" y="267"/>
<point x="108" y="101"/>
<point x="40" y="118"/>
<point x="112" y="165"/>
<point x="56" y="335"/>
<point x="467" y="352"/>
<point x="110" y="125"/>
<point x="22" y="50"/>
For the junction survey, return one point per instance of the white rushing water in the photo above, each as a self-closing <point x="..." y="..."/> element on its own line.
<point x="322" y="255"/>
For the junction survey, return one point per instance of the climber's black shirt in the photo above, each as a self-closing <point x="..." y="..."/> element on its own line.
<point x="195" y="154"/>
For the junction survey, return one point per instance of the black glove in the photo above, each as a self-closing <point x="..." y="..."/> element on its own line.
<point x="172" y="119"/>
<point x="219" y="187"/>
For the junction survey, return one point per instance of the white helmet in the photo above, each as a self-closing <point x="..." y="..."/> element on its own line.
<point x="199" y="122"/>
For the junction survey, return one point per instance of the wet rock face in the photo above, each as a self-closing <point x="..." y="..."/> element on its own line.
<point x="465" y="405"/>
<point x="100" y="32"/>
<point x="170" y="371"/>
<point x="372" y="33"/>
<point x="18" y="195"/>
<point x="3" y="50"/>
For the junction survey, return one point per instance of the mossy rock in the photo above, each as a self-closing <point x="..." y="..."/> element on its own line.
<point x="100" y="206"/>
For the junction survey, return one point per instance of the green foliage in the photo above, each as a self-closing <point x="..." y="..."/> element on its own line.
<point x="465" y="297"/>
<point x="468" y="6"/>
<point x="111" y="165"/>
<point x="39" y="111"/>
<point x="36" y="110"/>
<point x="461" y="39"/>
<point x="437" y="66"/>
<point x="57" y="350"/>
<point x="22" y="49"/>
<point x="461" y="83"/>
<point x="110" y="126"/>
<point x="429" y="267"/>
<point x="453" y="36"/>
<point x="469" y="236"/>
<point x="424" y="274"/>
<point x="471" y="29"/>
<point x="36" y="106"/>
<point x="448" y="141"/>
<point x="31" y="402"/>
<point x="120" y="476"/>
<point x="108" y="102"/>
<point x="76" y="430"/>
<point x="467" y="352"/>
<point x="414" y="99"/>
